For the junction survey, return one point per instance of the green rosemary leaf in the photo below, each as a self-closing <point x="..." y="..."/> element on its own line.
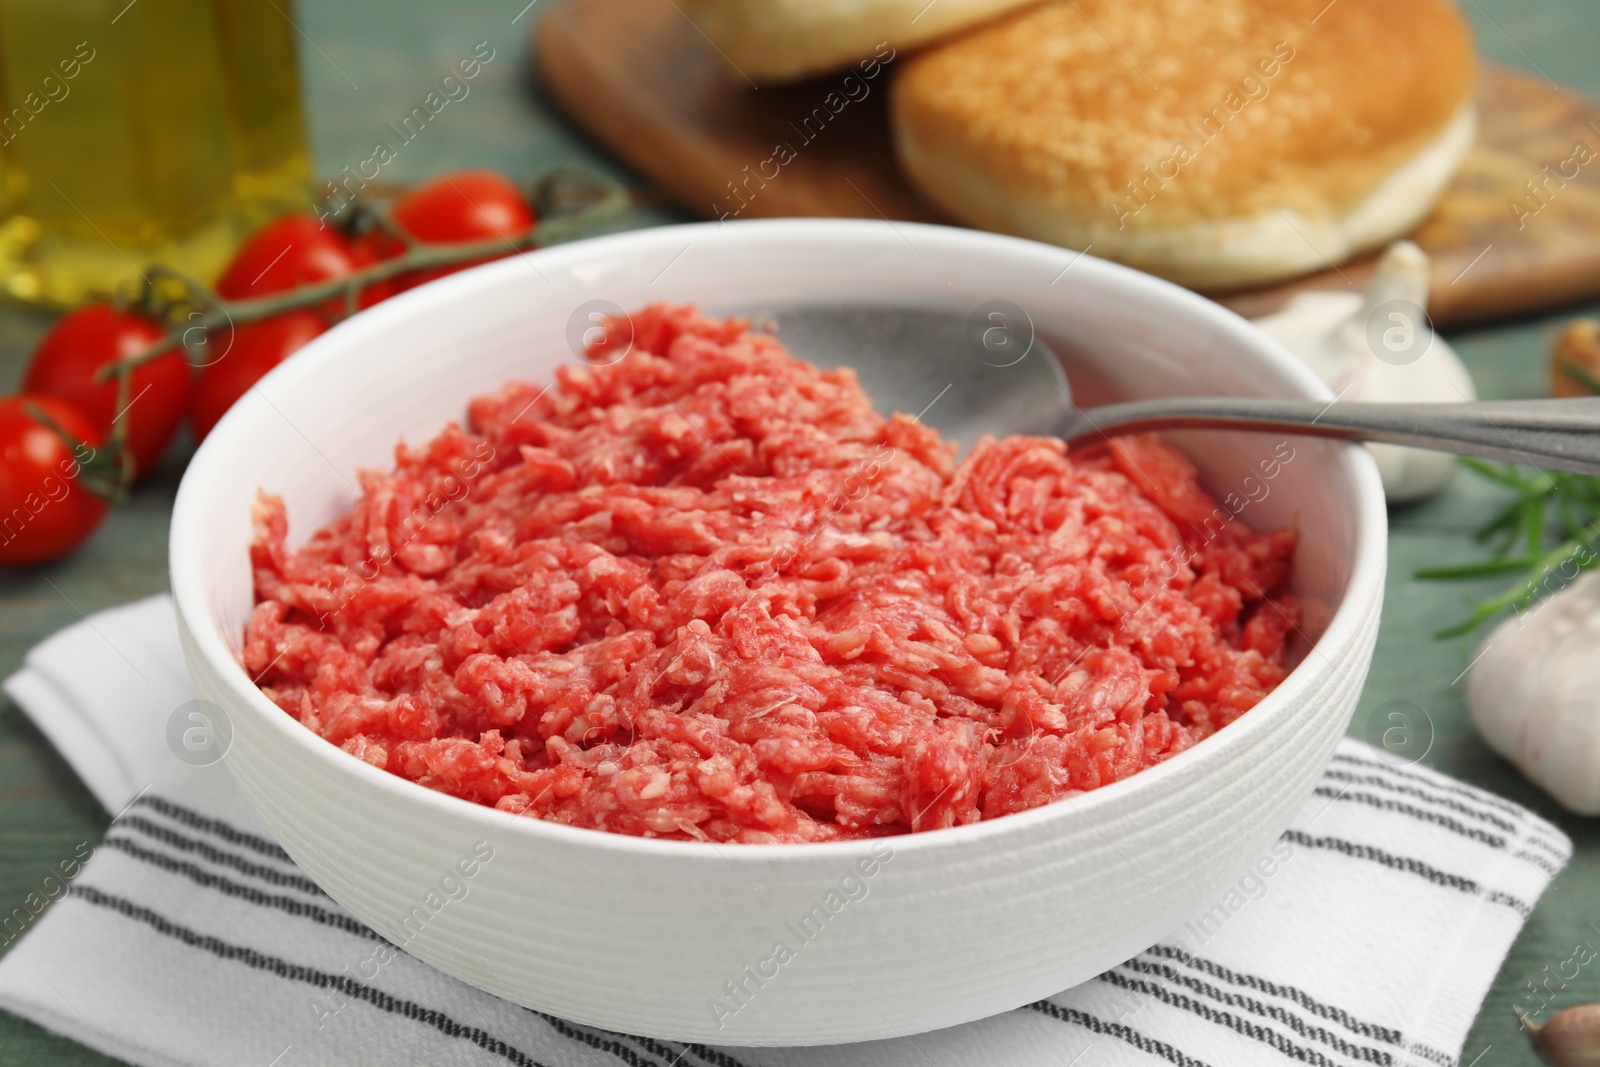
<point x="1567" y="512"/>
<point x="1489" y="568"/>
<point x="1533" y="524"/>
<point x="1506" y="519"/>
<point x="1467" y="625"/>
<point x="1504" y="473"/>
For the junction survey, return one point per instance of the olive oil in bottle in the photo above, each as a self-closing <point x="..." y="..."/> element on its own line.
<point x="141" y="132"/>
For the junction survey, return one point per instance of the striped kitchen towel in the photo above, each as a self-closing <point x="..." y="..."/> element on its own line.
<point x="1369" y="934"/>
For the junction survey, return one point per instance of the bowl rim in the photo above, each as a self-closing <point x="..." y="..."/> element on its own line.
<point x="187" y="546"/>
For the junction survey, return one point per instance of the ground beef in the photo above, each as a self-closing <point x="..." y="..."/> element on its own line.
<point x="705" y="591"/>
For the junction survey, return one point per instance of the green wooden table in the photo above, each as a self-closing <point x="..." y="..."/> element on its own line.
<point x="366" y="61"/>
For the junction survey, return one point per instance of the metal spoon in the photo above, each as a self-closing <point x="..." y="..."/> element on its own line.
<point x="920" y="360"/>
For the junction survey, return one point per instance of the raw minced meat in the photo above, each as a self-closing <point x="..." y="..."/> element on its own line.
<point x="705" y="591"/>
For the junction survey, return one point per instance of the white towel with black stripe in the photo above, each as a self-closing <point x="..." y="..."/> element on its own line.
<point x="1369" y="934"/>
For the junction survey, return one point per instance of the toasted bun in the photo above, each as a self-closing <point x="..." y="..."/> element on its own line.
<point x="1219" y="143"/>
<point x="773" y="41"/>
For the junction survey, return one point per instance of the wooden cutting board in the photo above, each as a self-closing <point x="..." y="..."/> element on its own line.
<point x="644" y="82"/>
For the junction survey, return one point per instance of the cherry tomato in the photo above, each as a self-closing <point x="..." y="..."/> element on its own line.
<point x="72" y="353"/>
<point x="45" y="511"/>
<point x="295" y="250"/>
<point x="247" y="353"/>
<point x="464" y="205"/>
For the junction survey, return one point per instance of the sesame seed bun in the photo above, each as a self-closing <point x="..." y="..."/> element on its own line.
<point x="775" y="41"/>
<point x="1218" y="143"/>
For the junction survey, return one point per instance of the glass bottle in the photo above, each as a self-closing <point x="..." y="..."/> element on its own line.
<point x="140" y="132"/>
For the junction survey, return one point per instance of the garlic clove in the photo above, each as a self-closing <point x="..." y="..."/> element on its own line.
<point x="1570" y="1038"/>
<point x="1402" y="274"/>
<point x="1333" y="333"/>
<point x="1534" y="692"/>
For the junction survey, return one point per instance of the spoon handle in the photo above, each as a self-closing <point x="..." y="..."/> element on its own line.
<point x="1560" y="435"/>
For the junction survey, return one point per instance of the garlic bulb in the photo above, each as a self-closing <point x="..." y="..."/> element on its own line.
<point x="1379" y="347"/>
<point x="1570" y="1039"/>
<point x="1534" y="693"/>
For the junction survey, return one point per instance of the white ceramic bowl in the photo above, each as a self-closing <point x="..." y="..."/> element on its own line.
<point x="646" y="936"/>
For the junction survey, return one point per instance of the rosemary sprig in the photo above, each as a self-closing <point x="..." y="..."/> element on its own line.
<point x="1546" y="535"/>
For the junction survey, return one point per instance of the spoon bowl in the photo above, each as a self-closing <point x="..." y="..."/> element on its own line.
<point x="933" y="363"/>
